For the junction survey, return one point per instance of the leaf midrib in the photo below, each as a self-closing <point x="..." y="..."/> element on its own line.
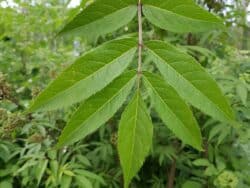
<point x="134" y="130"/>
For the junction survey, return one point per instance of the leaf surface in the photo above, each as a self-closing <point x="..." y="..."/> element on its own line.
<point x="98" y="109"/>
<point x="40" y="169"/>
<point x="173" y="110"/>
<point x="180" y="16"/>
<point x="102" y="17"/>
<point x="190" y="80"/>
<point x="134" y="137"/>
<point x="89" y="74"/>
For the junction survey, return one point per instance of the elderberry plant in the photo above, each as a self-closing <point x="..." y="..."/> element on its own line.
<point x="101" y="80"/>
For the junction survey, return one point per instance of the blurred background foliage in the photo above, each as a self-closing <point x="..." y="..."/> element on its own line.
<point x="31" y="56"/>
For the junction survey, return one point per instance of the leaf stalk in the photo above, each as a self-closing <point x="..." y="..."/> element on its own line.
<point x="140" y="42"/>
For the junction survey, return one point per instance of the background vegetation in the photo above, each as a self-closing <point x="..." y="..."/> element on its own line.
<point x="31" y="56"/>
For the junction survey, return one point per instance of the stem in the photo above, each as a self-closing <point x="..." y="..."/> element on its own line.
<point x="140" y="42"/>
<point x="206" y="144"/>
<point x="171" y="175"/>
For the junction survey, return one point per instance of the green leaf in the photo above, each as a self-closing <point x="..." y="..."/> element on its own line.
<point x="68" y="173"/>
<point x="173" y="110"/>
<point x="91" y="176"/>
<point x="5" y="184"/>
<point x="66" y="181"/>
<point x="101" y="17"/>
<point x="4" y="152"/>
<point x="192" y="184"/>
<point x="180" y="16"/>
<point x="216" y="131"/>
<point x="54" y="167"/>
<point x="134" y="137"/>
<point x="211" y="171"/>
<point x="201" y="162"/>
<point x="190" y="80"/>
<point x="98" y="109"/>
<point x="203" y="51"/>
<point x="89" y="74"/>
<point x="40" y="169"/>
<point x="83" y="182"/>
<point x="242" y="92"/>
<point x="83" y="160"/>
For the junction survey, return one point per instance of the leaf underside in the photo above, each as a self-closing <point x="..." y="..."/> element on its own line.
<point x="173" y="110"/>
<point x="98" y="109"/>
<point x="134" y="137"/>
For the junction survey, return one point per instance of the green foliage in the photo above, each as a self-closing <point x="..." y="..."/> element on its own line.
<point x="108" y="60"/>
<point x="97" y="68"/>
<point x="169" y="86"/>
<point x="97" y="109"/>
